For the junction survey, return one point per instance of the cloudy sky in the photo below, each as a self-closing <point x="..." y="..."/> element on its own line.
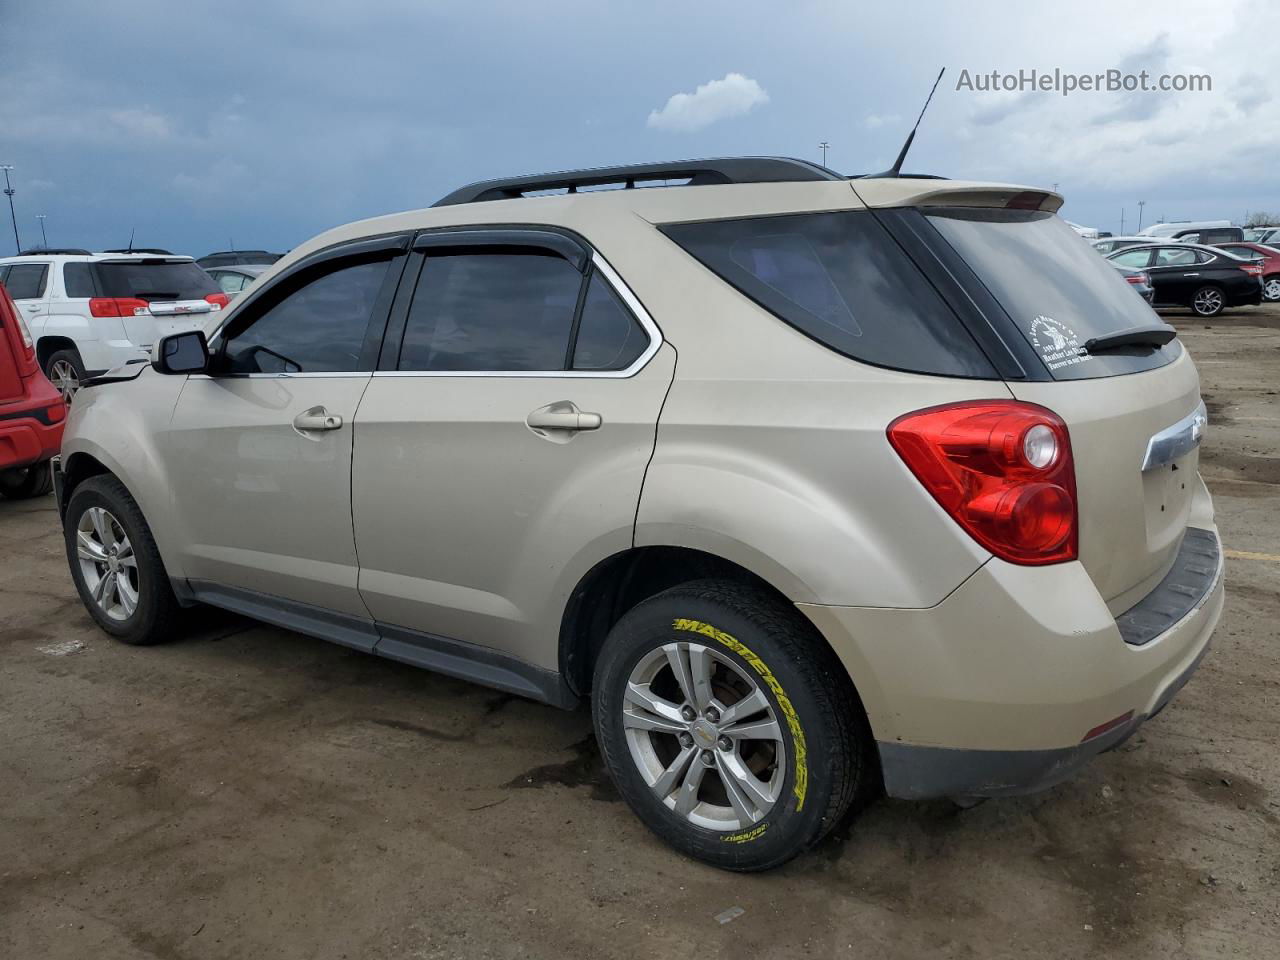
<point x="264" y="123"/>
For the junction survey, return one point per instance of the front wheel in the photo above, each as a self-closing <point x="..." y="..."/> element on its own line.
<point x="1208" y="301"/>
<point x="728" y="726"/>
<point x="1271" y="288"/>
<point x="115" y="564"/>
<point x="22" y="483"/>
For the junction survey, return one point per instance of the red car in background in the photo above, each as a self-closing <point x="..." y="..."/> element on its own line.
<point x="31" y="411"/>
<point x="1270" y="257"/>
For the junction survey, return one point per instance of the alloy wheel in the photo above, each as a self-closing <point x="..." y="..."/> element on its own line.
<point x="704" y="736"/>
<point x="1207" y="302"/>
<point x="107" y="563"/>
<point x="63" y="376"/>
<point x="1271" y="289"/>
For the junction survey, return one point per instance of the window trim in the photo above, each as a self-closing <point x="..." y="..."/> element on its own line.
<point x="45" y="285"/>
<point x="620" y="288"/>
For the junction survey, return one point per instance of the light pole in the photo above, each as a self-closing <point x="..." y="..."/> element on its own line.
<point x="824" y="147"/>
<point x="1141" y="204"/>
<point x="44" y="238"/>
<point x="8" y="192"/>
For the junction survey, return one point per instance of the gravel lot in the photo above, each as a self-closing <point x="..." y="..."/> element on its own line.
<point x="248" y="792"/>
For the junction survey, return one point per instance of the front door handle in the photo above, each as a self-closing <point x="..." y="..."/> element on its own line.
<point x="562" y="416"/>
<point x="1191" y="274"/>
<point x="317" y="418"/>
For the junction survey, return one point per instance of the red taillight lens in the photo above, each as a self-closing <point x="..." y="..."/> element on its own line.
<point x="116" y="306"/>
<point x="1002" y="469"/>
<point x="1253" y="269"/>
<point x="56" y="412"/>
<point x="218" y="299"/>
<point x="1137" y="279"/>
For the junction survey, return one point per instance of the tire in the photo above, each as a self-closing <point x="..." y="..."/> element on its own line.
<point x="65" y="370"/>
<point x="153" y="614"/>
<point x="22" y="483"/>
<point x="1208" y="301"/>
<point x="1271" y="288"/>
<point x="821" y="759"/>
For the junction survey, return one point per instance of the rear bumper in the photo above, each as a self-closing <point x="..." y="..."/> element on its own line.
<point x="996" y="690"/>
<point x="28" y="436"/>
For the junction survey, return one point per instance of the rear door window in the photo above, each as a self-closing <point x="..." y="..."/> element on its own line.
<point x="1135" y="259"/>
<point x="1057" y="292"/>
<point x="1173" y="257"/>
<point x="842" y="280"/>
<point x="27" y="281"/>
<point x="497" y="310"/>
<point x="155" y="280"/>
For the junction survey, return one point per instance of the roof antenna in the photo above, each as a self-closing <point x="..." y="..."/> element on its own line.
<point x="131" y="233"/>
<point x="896" y="169"/>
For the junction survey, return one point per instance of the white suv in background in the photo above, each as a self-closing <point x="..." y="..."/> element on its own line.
<point x="91" y="312"/>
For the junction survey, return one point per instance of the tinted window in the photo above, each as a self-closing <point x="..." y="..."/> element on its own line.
<point x="1058" y="292"/>
<point x="496" y="310"/>
<point x="318" y="327"/>
<point x="842" y="280"/>
<point x="78" y="280"/>
<point x="26" y="281"/>
<point x="1132" y="258"/>
<point x="155" y="280"/>
<point x="1173" y="257"/>
<point x="609" y="337"/>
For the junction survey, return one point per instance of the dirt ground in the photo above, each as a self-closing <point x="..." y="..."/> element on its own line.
<point x="249" y="792"/>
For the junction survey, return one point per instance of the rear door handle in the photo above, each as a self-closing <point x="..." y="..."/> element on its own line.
<point x="1191" y="274"/>
<point x="317" y="418"/>
<point x="563" y="415"/>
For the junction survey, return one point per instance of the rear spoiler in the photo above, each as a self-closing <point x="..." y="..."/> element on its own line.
<point x="950" y="193"/>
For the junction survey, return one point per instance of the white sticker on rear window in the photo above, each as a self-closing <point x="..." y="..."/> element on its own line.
<point x="1057" y="343"/>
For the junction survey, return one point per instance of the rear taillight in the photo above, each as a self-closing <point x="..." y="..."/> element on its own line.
<point x="1253" y="269"/>
<point x="1138" y="279"/>
<point x="1002" y="469"/>
<point x="116" y="307"/>
<point x="219" y="300"/>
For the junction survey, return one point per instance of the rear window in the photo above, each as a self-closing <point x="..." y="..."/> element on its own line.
<point x="842" y="280"/>
<point x="155" y="280"/>
<point x="1055" y="288"/>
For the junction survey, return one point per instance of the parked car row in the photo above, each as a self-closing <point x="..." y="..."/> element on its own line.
<point x="91" y="312"/>
<point x="1206" y="278"/>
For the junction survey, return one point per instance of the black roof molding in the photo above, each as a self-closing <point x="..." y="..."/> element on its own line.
<point x="697" y="172"/>
<point x="156" y="250"/>
<point x="53" y="251"/>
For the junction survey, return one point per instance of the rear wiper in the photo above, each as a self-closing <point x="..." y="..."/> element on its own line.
<point x="1154" y="336"/>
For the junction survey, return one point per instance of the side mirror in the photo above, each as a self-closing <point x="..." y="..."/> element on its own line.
<point x="185" y="352"/>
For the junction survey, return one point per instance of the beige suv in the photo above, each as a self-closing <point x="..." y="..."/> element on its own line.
<point x="815" y="486"/>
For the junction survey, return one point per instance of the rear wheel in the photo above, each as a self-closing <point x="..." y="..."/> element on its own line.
<point x="728" y="726"/>
<point x="115" y="564"/>
<point x="1208" y="301"/>
<point x="1271" y="288"/>
<point x="65" y="371"/>
<point x="21" y="483"/>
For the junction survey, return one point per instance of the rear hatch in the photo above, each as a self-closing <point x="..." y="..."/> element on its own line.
<point x="175" y="292"/>
<point x="1057" y="294"/>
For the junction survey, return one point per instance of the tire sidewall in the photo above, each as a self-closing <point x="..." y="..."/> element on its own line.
<point x="95" y="493"/>
<point x="797" y="818"/>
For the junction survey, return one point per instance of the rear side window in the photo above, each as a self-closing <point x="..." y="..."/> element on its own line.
<point x="1056" y="290"/>
<point x="26" y="281"/>
<point x="155" y="280"/>
<point x="609" y="338"/>
<point x="78" y="280"/>
<point x="842" y="280"/>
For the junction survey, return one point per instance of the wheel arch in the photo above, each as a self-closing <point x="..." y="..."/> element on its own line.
<point x="47" y="346"/>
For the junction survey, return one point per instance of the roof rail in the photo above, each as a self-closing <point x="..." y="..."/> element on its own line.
<point x="53" y="251"/>
<point x="152" y="250"/>
<point x="697" y="172"/>
<point x="223" y="253"/>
